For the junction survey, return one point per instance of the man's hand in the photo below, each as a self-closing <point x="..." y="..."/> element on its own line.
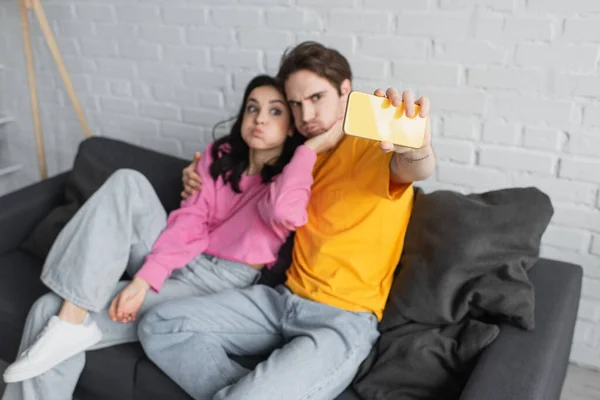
<point x="410" y="165"/>
<point x="191" y="180"/>
<point x="409" y="104"/>
<point x="327" y="140"/>
<point x="127" y="303"/>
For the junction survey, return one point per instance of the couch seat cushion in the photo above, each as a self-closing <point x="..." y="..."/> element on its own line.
<point x="152" y="384"/>
<point x="109" y="373"/>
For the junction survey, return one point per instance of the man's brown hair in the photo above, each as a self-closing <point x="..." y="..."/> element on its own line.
<point x="312" y="56"/>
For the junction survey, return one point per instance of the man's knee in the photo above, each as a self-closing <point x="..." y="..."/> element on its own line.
<point x="334" y="341"/>
<point x="162" y="319"/>
<point x="147" y="324"/>
<point x="177" y="316"/>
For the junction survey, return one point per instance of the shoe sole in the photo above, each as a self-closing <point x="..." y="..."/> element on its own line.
<point x="38" y="369"/>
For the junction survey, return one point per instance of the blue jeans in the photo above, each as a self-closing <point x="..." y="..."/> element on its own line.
<point x="112" y="233"/>
<point x="315" y="349"/>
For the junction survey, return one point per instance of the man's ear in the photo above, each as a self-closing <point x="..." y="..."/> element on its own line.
<point x="290" y="132"/>
<point x="345" y="87"/>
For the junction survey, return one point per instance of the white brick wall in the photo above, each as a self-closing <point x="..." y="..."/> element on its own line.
<point x="514" y="84"/>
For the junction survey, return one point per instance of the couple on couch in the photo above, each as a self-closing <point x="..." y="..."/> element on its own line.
<point x="286" y="165"/>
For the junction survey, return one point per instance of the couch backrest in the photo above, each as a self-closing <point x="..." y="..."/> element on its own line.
<point x="99" y="157"/>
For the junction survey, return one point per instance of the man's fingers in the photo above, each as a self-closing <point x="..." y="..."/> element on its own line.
<point x="409" y="103"/>
<point x="197" y="156"/>
<point x="387" y="146"/>
<point x="191" y="185"/>
<point x="379" y="92"/>
<point x="191" y="177"/>
<point x="394" y="96"/>
<point x="423" y="102"/>
<point x="192" y="181"/>
<point x="195" y="181"/>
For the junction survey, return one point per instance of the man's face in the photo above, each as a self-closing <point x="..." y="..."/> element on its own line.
<point x="316" y="104"/>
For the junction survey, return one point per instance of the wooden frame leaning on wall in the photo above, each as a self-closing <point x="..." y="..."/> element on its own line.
<point x="25" y="6"/>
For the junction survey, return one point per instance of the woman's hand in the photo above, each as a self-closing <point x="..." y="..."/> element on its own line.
<point x="127" y="303"/>
<point x="191" y="180"/>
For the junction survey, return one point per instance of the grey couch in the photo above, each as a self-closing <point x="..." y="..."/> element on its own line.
<point x="518" y="365"/>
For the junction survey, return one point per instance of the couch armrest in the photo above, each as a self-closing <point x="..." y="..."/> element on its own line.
<point x="21" y="210"/>
<point x="532" y="365"/>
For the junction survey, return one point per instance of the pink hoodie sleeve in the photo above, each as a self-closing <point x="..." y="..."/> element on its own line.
<point x="186" y="234"/>
<point x="289" y="192"/>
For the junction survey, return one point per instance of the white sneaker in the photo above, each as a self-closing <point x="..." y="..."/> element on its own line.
<point x="58" y="341"/>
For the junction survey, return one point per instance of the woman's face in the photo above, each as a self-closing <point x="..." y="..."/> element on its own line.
<point x="266" y="121"/>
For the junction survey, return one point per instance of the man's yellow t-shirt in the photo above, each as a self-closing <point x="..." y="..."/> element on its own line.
<point x="345" y="256"/>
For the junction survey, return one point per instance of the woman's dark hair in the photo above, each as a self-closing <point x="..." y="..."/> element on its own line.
<point x="230" y="153"/>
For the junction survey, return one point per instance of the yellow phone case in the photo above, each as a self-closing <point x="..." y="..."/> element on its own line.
<point x="373" y="117"/>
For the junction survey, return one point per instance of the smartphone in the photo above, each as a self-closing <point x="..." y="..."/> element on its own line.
<point x="373" y="117"/>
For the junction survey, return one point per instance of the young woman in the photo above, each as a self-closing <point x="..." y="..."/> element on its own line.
<point x="256" y="187"/>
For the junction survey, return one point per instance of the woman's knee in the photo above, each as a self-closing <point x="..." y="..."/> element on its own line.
<point x="129" y="178"/>
<point x="127" y="175"/>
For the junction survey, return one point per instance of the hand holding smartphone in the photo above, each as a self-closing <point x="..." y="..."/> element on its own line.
<point x="373" y="117"/>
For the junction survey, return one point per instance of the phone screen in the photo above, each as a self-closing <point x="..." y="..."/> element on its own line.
<point x="373" y="117"/>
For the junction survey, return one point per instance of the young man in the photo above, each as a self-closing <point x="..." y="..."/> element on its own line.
<point x="322" y="323"/>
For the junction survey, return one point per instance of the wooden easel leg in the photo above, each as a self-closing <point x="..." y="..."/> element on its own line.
<point x="35" y="108"/>
<point x="49" y="36"/>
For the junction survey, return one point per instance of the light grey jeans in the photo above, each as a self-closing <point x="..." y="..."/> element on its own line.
<point x="316" y="349"/>
<point x="112" y="233"/>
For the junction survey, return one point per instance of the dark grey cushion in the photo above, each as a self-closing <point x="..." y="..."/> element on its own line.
<point x="22" y="210"/>
<point x="467" y="255"/>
